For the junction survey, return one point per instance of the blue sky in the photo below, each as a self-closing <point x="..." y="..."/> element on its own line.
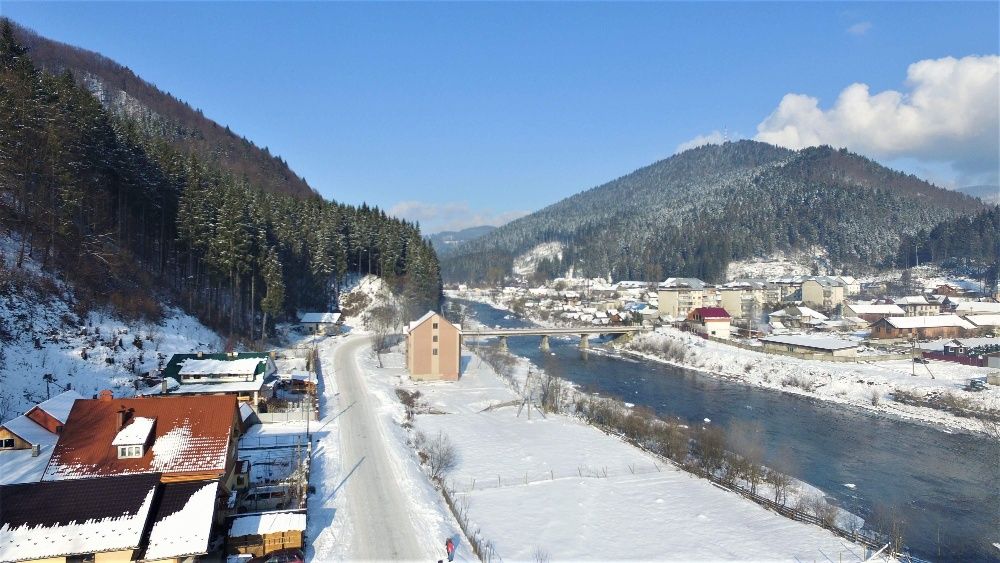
<point x="458" y="114"/>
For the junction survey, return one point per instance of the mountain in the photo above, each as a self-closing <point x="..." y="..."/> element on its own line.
<point x="446" y="240"/>
<point x="158" y="114"/>
<point x="131" y="219"/>
<point x="693" y="213"/>
<point x="989" y="193"/>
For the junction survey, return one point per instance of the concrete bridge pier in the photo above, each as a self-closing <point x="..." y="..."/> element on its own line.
<point x="545" y="343"/>
<point x="503" y="343"/>
<point x="584" y="341"/>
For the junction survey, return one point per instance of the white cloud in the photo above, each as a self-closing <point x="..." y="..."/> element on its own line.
<point x="859" y="28"/>
<point x="451" y="216"/>
<point x="713" y="138"/>
<point x="948" y="114"/>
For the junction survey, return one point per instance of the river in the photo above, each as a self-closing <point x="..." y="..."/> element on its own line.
<point x="945" y="486"/>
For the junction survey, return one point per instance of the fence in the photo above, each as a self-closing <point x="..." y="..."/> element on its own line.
<point x="819" y="357"/>
<point x="964" y="360"/>
<point x="500" y="481"/>
<point x="288" y="416"/>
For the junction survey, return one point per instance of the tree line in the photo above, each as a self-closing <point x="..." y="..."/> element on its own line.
<point x="127" y="218"/>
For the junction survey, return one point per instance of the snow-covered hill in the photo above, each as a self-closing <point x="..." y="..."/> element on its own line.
<point x="45" y="346"/>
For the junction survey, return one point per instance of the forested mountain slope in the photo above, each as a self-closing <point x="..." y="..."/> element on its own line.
<point x="159" y="114"/>
<point x="127" y="218"/>
<point x="691" y="214"/>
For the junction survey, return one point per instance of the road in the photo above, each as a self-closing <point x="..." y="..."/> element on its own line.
<point x="376" y="506"/>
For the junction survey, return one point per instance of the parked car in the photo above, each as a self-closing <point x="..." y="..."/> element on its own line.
<point x="290" y="555"/>
<point x="271" y="497"/>
<point x="921" y="361"/>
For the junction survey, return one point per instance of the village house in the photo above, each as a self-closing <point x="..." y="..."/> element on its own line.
<point x="948" y="290"/>
<point x="181" y="438"/>
<point x="797" y="316"/>
<point x="985" y="324"/>
<point x="259" y="534"/>
<point x="921" y="328"/>
<point x="433" y="348"/>
<point x="977" y="308"/>
<point x="27" y="441"/>
<point x="917" y="306"/>
<point x="117" y="518"/>
<point x="709" y="321"/>
<point x="810" y="345"/>
<point x="871" y="312"/>
<point x="320" y="323"/>
<point x="851" y="285"/>
<point x="241" y="375"/>
<point x="823" y="292"/>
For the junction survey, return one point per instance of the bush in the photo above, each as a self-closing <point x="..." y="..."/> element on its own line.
<point x="442" y="456"/>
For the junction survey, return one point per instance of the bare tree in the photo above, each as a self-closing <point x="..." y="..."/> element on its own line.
<point x="550" y="392"/>
<point x="442" y="456"/>
<point x="382" y="322"/>
<point x="778" y="476"/>
<point x="746" y="439"/>
<point x="711" y="448"/>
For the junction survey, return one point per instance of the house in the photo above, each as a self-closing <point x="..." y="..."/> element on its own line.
<point x="917" y="306"/>
<point x="977" y="308"/>
<point x="823" y="292"/>
<point x="797" y="316"/>
<point x="183" y="438"/>
<point x="985" y="323"/>
<point x="710" y="321"/>
<point x="320" y="323"/>
<point x="117" y="518"/>
<point x="257" y="534"/>
<point x="921" y="328"/>
<point x="241" y="375"/>
<point x="27" y="441"/>
<point x="433" y="348"/>
<point x="872" y="312"/>
<point x="965" y="346"/>
<point x="948" y="290"/>
<point x="851" y="285"/>
<point x="801" y="344"/>
<point x="679" y="296"/>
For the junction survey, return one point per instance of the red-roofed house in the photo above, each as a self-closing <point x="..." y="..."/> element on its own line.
<point x="182" y="438"/>
<point x="709" y="321"/>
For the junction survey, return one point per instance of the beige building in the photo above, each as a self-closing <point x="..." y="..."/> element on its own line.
<point x="917" y="306"/>
<point x="433" y="348"/>
<point x="677" y="297"/>
<point x="823" y="292"/>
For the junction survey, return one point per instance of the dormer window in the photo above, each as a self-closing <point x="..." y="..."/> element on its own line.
<point x="130" y="451"/>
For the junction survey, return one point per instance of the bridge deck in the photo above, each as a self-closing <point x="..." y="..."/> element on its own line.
<point x="541" y="331"/>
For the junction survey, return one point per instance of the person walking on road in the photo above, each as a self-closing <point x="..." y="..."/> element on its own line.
<point x="449" y="546"/>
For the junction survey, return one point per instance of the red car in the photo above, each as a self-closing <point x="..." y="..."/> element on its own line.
<point x="281" y="556"/>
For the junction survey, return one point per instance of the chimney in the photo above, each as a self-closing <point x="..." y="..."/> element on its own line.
<point x="106" y="395"/>
<point x="35" y="450"/>
<point x="200" y="354"/>
<point x="120" y="417"/>
<point x="163" y="386"/>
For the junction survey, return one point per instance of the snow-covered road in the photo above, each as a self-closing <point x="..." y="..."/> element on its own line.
<point x="377" y="507"/>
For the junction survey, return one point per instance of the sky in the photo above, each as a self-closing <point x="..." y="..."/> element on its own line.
<point x="463" y="114"/>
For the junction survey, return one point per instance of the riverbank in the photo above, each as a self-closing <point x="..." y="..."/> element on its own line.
<point x="873" y="386"/>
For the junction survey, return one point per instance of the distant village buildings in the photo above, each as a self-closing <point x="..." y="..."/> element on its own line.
<point x="320" y="323"/>
<point x="710" y="321"/>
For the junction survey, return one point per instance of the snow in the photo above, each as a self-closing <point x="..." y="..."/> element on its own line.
<point x="244" y="366"/>
<point x="320" y="318"/>
<point x="875" y="309"/>
<point x="559" y="486"/>
<point x="929" y="321"/>
<point x="136" y="432"/>
<point x="18" y="466"/>
<point x="984" y="320"/>
<point x="246" y="411"/>
<point x="194" y="387"/>
<point x="63" y="336"/>
<point x="526" y="263"/>
<point x="272" y="450"/>
<point x="977" y="307"/>
<point x="187" y="531"/>
<point x="89" y="536"/>
<point x="259" y="524"/>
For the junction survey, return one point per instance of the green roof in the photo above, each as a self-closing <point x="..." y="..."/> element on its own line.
<point x="174" y="365"/>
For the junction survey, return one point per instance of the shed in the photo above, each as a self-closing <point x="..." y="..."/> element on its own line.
<point x="257" y="534"/>
<point x="801" y="344"/>
<point x="320" y="323"/>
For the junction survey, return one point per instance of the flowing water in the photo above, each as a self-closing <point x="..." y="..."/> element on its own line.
<point x="945" y="486"/>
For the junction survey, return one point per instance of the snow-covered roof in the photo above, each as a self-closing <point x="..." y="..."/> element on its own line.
<point x="320" y="318"/>
<point x="204" y="387"/>
<point x="58" y="407"/>
<point x="984" y="320"/>
<point x="298" y="375"/>
<point x="427" y="315"/>
<point x="183" y="523"/>
<point x="929" y="321"/>
<point x="19" y="466"/>
<point x="814" y="342"/>
<point x="692" y="283"/>
<point x="246" y="411"/>
<point x="135" y="432"/>
<point x="912" y="300"/>
<point x="872" y="309"/>
<point x="977" y="307"/>
<point x="242" y="366"/>
<point x="259" y="524"/>
<point x="973" y="342"/>
<point x="30" y="431"/>
<point x="75" y="517"/>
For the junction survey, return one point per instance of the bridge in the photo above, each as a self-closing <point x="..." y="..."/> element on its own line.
<point x="583" y="332"/>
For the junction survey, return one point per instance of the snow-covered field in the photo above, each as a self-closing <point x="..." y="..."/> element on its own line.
<point x="40" y="335"/>
<point x="559" y="488"/>
<point x="868" y="385"/>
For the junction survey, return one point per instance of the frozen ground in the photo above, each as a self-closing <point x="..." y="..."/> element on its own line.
<point x="868" y="385"/>
<point x="40" y="334"/>
<point x="558" y="488"/>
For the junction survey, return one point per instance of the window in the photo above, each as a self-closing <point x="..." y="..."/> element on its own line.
<point x="434" y="338"/>
<point x="129" y="452"/>
<point x="7" y="444"/>
<point x="434" y="351"/>
<point x="434" y="326"/>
